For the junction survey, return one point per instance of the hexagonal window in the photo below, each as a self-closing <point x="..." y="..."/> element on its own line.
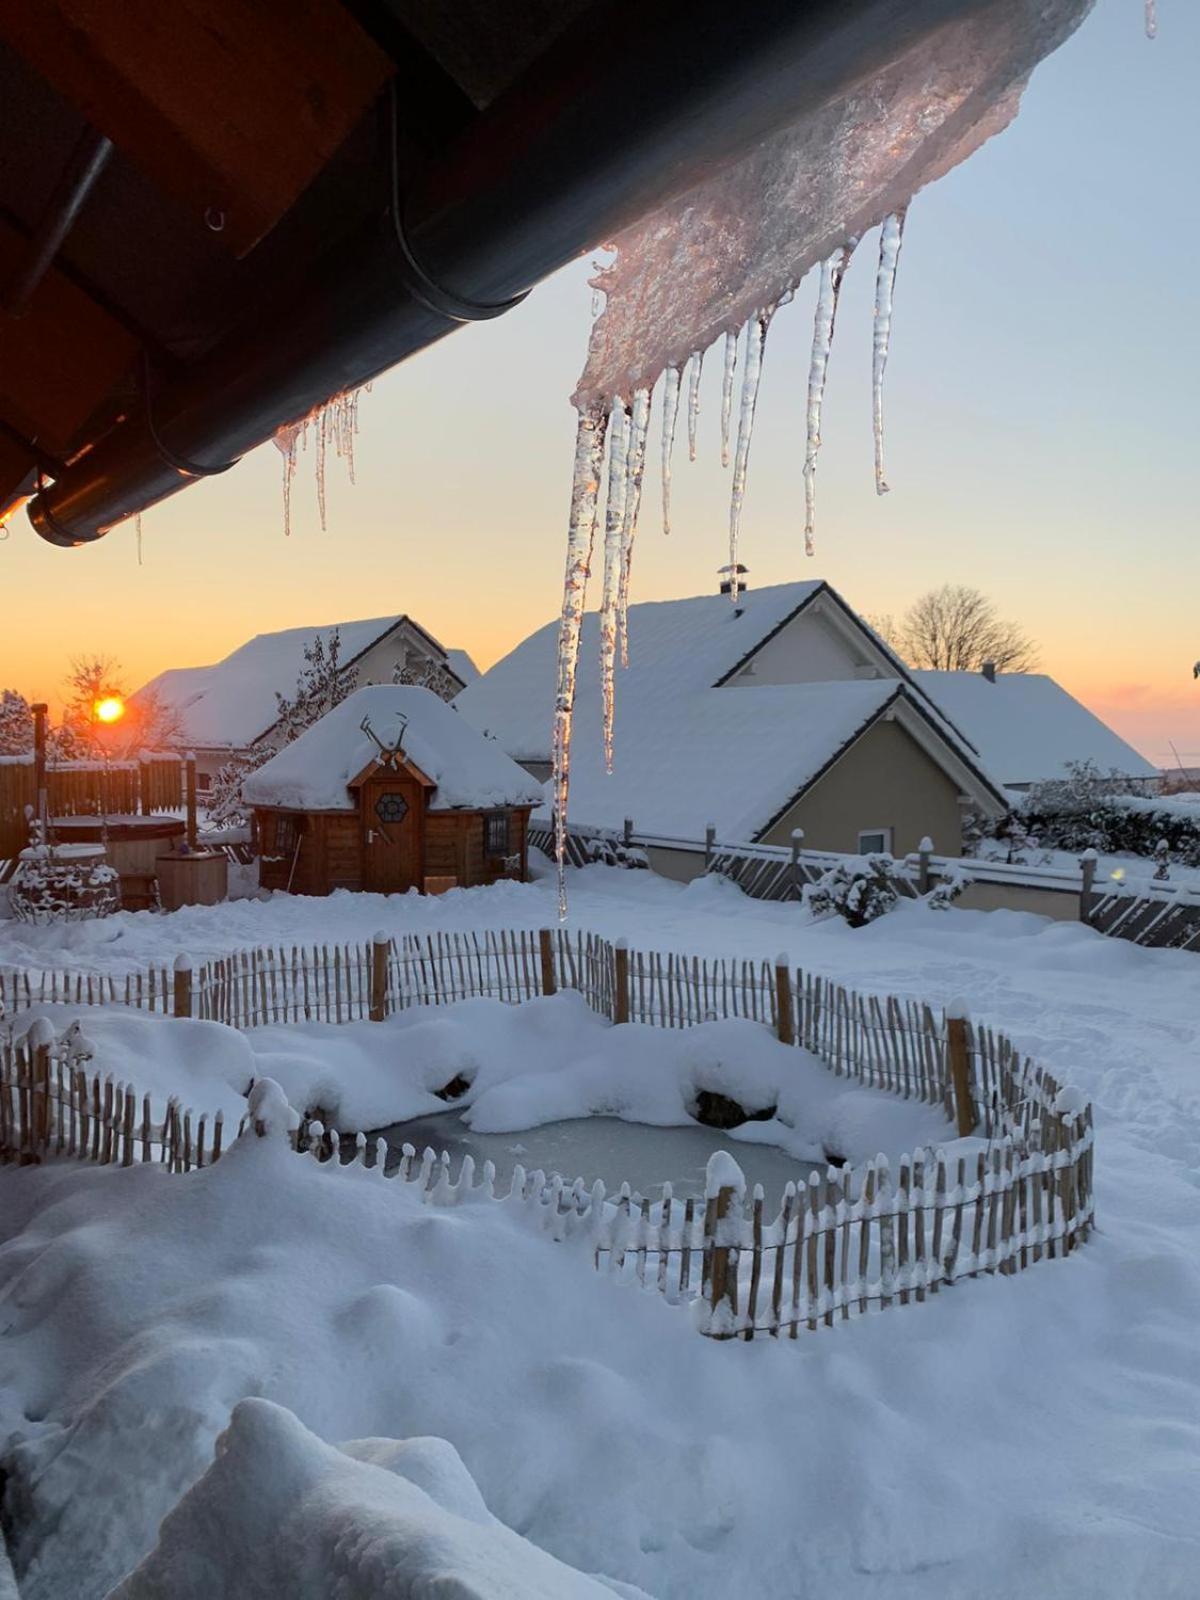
<point x="391" y="808"/>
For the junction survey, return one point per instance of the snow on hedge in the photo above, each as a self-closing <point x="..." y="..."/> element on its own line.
<point x="469" y="771"/>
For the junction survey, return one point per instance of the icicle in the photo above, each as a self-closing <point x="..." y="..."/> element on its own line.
<point x="614" y="528"/>
<point x="727" y="393"/>
<point x="1151" y="19"/>
<point x="639" y="428"/>
<point x="833" y="270"/>
<point x="695" y="367"/>
<point x="287" y="442"/>
<point x="670" y="413"/>
<point x="585" y="492"/>
<point x="756" y="337"/>
<point x="891" y="236"/>
<point x="137" y="533"/>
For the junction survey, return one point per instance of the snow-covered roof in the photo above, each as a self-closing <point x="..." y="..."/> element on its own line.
<point x="470" y="771"/>
<point x="1027" y="727"/>
<point x="232" y="703"/>
<point x="732" y="758"/>
<point x="674" y="646"/>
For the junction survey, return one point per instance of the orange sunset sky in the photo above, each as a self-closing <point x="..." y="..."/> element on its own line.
<point x="1041" y="424"/>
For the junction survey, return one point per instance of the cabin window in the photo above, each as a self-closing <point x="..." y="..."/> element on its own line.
<point x="875" y="842"/>
<point x="496" y="833"/>
<point x="287" y="833"/>
<point x="204" y="782"/>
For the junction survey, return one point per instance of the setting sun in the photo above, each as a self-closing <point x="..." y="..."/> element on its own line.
<point x="110" y="709"/>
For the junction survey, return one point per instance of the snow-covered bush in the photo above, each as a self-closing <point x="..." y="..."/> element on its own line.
<point x="58" y="885"/>
<point x="1087" y="811"/>
<point x="946" y="891"/>
<point x="616" y="853"/>
<point x="858" y="889"/>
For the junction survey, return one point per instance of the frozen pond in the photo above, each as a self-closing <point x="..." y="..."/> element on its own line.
<point x="603" y="1147"/>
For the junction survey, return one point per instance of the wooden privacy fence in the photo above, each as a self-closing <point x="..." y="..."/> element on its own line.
<point x="86" y="788"/>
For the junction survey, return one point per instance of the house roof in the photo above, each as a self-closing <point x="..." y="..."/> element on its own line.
<point x="314" y="772"/>
<point x="232" y="703"/>
<point x="1027" y="727"/>
<point x="675" y="646"/>
<point x="690" y="752"/>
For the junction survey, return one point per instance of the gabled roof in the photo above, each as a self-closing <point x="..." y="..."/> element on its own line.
<point x="674" y="646"/>
<point x="314" y="772"/>
<point x="232" y="703"/>
<point x="736" y="759"/>
<point x="1027" y="727"/>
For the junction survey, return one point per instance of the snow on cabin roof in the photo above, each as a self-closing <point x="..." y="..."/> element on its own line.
<point x="1027" y="727"/>
<point x="470" y="771"/>
<point x="232" y="703"/>
<point x="674" y="646"/>
<point x="730" y="758"/>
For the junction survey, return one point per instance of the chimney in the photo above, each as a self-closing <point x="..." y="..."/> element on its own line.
<point x="726" y="576"/>
<point x="989" y="671"/>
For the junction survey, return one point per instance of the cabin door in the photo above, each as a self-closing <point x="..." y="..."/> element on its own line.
<point x="391" y="814"/>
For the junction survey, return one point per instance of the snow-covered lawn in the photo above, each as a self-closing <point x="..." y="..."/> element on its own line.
<point x="1032" y="1436"/>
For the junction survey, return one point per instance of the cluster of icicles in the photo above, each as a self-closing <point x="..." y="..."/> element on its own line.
<point x="333" y="423"/>
<point x="624" y="428"/>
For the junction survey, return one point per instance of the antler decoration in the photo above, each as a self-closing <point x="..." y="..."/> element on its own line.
<point x="388" y="754"/>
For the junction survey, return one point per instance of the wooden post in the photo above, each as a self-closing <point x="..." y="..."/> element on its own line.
<point x="183" y="986"/>
<point x="627" y="835"/>
<point x="722" y="1218"/>
<point x="41" y="1098"/>
<point x="190" y="797"/>
<point x="1087" y="866"/>
<point x="924" y="852"/>
<point x="797" y="846"/>
<point x="710" y="839"/>
<point x="960" y="1074"/>
<point x="379" y="977"/>
<point x="621" y="981"/>
<point x="546" y="947"/>
<point x="41" y="800"/>
<point x="785" y="1016"/>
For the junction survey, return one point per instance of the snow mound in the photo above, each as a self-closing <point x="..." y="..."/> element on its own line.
<point x="281" y="1513"/>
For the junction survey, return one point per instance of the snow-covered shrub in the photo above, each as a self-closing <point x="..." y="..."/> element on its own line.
<point x="859" y="889"/>
<point x="615" y="853"/>
<point x="946" y="891"/>
<point x="1086" y="812"/>
<point x="57" y="886"/>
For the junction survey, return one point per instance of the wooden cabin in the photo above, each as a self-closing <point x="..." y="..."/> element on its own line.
<point x="391" y="790"/>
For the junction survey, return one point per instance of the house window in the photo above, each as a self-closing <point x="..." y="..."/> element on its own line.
<point x="495" y="833"/>
<point x="204" y="782"/>
<point x="875" y="842"/>
<point x="287" y="833"/>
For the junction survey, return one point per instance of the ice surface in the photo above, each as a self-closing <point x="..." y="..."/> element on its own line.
<point x="695" y="368"/>
<point x="619" y="429"/>
<point x="635" y="471"/>
<point x="756" y="338"/>
<point x="731" y="339"/>
<point x="1151" y="19"/>
<point x="671" y="385"/>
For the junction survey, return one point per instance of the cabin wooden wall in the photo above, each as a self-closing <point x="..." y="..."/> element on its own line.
<point x="331" y="851"/>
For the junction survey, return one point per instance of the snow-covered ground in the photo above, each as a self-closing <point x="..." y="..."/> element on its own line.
<point x="1029" y="1436"/>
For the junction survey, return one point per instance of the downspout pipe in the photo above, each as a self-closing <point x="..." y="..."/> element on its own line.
<point x="636" y="104"/>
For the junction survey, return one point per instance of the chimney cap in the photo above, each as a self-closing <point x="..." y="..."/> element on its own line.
<point x="989" y="671"/>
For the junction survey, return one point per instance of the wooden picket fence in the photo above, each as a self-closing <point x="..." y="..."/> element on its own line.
<point x="836" y="1246"/>
<point x="50" y="1105"/>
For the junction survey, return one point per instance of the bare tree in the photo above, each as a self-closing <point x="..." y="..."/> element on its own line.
<point x="957" y="629"/>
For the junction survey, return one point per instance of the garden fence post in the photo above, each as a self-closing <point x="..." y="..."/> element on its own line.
<point x="785" y="1015"/>
<point x="379" y="977"/>
<point x="710" y="839"/>
<point x="190" y="798"/>
<point x="958" y="1050"/>
<point x="546" y="945"/>
<point x="628" y="832"/>
<point x="41" y="1098"/>
<point x="722" y="1217"/>
<point x="924" y="852"/>
<point x="183" y="986"/>
<point x="1087" y="866"/>
<point x="797" y="846"/>
<point x="39" y="761"/>
<point x="621" y="981"/>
